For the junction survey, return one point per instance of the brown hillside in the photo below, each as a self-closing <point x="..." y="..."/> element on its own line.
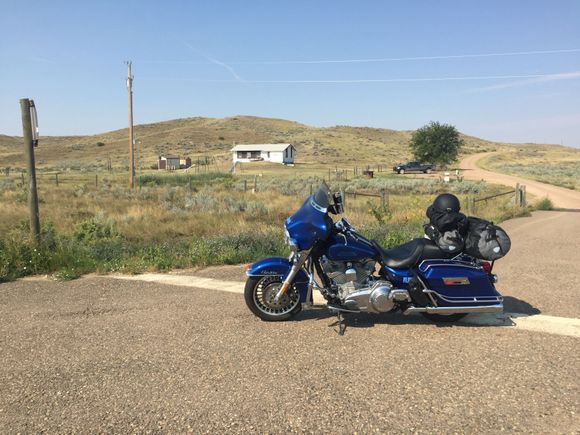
<point x="198" y="137"/>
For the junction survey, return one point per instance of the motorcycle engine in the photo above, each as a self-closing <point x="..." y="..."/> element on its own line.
<point x="348" y="276"/>
<point x="358" y="289"/>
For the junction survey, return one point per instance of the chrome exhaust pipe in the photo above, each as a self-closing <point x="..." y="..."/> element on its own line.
<point x="456" y="310"/>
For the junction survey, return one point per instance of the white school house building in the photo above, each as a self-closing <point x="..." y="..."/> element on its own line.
<point x="278" y="153"/>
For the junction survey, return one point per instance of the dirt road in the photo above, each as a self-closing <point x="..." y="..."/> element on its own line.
<point x="561" y="197"/>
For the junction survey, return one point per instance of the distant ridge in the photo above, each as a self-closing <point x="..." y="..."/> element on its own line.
<point x="200" y="136"/>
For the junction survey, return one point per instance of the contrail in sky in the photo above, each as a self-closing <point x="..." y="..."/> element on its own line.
<point x="369" y="60"/>
<point x="215" y="61"/>
<point x="532" y="78"/>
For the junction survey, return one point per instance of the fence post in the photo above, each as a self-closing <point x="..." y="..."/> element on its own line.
<point x="25" y="108"/>
<point x="96" y="180"/>
<point x="472" y="205"/>
<point x="310" y="189"/>
<point x="255" y="183"/>
<point x="524" y="202"/>
<point x="56" y="179"/>
<point x="245" y="185"/>
<point x="383" y="198"/>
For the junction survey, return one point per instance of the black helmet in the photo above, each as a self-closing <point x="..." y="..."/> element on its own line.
<point x="447" y="202"/>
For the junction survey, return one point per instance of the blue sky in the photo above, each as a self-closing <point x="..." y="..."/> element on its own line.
<point x="267" y="58"/>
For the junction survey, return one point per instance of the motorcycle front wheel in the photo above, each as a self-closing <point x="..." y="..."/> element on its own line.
<point x="260" y="293"/>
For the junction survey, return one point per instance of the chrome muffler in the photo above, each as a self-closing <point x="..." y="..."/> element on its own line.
<point x="498" y="308"/>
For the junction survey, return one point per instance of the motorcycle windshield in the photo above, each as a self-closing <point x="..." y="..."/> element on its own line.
<point x="311" y="222"/>
<point x="322" y="196"/>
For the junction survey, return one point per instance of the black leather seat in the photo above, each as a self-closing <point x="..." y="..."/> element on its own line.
<point x="410" y="254"/>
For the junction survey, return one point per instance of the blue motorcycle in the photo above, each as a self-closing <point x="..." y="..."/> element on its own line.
<point x="357" y="275"/>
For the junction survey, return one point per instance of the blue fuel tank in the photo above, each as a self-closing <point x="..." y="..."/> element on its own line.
<point x="345" y="247"/>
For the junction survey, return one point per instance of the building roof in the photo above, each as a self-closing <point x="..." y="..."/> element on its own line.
<point x="262" y="147"/>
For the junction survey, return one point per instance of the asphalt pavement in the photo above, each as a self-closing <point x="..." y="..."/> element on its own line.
<point x="103" y="355"/>
<point x="100" y="354"/>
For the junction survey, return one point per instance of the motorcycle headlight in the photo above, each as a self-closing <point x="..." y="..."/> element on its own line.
<point x="292" y="245"/>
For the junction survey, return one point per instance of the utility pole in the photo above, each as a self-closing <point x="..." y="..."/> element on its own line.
<point x="131" y="144"/>
<point x="30" y="139"/>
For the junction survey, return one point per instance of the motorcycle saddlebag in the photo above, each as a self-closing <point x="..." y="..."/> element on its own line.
<point x="456" y="282"/>
<point x="485" y="240"/>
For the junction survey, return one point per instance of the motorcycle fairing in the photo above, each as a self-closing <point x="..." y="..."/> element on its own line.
<point x="280" y="266"/>
<point x="309" y="224"/>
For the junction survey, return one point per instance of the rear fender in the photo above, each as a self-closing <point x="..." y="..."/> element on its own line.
<point x="280" y="266"/>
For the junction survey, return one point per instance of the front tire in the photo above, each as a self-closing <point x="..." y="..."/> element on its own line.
<point x="259" y="294"/>
<point x="428" y="171"/>
<point x="402" y="171"/>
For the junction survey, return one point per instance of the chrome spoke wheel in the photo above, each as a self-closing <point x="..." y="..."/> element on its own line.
<point x="265" y="297"/>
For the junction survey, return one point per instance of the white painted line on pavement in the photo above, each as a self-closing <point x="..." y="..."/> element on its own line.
<point x="538" y="322"/>
<point x="186" y="281"/>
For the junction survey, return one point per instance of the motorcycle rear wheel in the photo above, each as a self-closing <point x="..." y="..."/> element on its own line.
<point x="259" y="296"/>
<point x="444" y="318"/>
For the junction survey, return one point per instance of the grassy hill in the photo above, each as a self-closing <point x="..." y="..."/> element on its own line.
<point x="197" y="137"/>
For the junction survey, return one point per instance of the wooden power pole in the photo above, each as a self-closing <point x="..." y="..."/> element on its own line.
<point x="131" y="144"/>
<point x="25" y="107"/>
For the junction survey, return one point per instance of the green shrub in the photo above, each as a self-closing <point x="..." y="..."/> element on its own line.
<point x="237" y="248"/>
<point x="94" y="230"/>
<point x="66" y="274"/>
<point x="544" y="204"/>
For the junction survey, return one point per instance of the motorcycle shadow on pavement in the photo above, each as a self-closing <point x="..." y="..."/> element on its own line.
<point x="513" y="307"/>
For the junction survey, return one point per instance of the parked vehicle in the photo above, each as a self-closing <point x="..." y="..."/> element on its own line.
<point x="402" y="168"/>
<point x="331" y="257"/>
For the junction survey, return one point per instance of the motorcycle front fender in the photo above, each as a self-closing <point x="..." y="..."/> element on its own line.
<point x="280" y="266"/>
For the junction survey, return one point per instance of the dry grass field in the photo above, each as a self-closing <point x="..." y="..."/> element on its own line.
<point x="207" y="215"/>
<point x="550" y="164"/>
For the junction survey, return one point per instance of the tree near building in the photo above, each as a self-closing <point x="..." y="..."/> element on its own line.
<point x="436" y="143"/>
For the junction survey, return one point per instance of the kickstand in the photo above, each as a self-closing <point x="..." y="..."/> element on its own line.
<point x="341" y="322"/>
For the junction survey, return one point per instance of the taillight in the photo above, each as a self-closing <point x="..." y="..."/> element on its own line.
<point x="487" y="266"/>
